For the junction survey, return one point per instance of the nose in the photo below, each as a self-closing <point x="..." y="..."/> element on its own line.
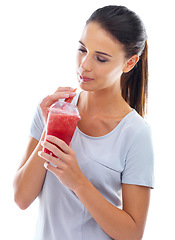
<point x="85" y="64"/>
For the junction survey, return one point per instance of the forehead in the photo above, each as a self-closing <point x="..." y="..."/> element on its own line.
<point x="94" y="37"/>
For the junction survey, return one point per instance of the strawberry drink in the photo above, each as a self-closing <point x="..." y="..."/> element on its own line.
<point x="62" y="121"/>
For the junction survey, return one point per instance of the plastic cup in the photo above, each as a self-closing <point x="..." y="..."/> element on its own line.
<point x="62" y="121"/>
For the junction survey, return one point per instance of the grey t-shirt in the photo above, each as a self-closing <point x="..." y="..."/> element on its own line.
<point x="125" y="155"/>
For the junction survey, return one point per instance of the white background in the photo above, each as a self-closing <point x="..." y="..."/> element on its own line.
<point x="38" y="42"/>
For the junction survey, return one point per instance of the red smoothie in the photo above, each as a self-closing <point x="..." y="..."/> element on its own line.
<point x="62" y="123"/>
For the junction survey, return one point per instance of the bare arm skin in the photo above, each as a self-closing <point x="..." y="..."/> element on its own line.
<point x="125" y="224"/>
<point x="30" y="175"/>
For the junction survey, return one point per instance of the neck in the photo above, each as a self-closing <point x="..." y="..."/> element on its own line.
<point x="107" y="101"/>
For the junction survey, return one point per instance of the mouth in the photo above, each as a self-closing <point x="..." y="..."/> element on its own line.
<point x="84" y="79"/>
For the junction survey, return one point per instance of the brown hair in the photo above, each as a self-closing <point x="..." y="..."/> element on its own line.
<point x="124" y="25"/>
<point x="134" y="84"/>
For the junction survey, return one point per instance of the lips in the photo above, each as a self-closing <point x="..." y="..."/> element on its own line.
<point x="85" y="79"/>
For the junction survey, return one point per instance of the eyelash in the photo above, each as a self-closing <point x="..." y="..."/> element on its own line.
<point x="82" y="50"/>
<point x="100" y="60"/>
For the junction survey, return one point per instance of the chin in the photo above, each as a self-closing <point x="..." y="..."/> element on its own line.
<point x="88" y="87"/>
<point x="84" y="87"/>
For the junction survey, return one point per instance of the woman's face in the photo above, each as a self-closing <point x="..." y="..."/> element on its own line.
<point x="100" y="59"/>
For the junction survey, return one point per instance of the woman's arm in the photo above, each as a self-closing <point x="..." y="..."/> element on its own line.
<point x="125" y="224"/>
<point x="30" y="175"/>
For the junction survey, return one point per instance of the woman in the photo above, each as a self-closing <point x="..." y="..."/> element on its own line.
<point x="99" y="187"/>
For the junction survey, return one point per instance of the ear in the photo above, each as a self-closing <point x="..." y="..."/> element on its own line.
<point x="130" y="63"/>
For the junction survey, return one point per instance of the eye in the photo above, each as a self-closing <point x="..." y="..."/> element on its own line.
<point x="83" y="50"/>
<point x="101" y="59"/>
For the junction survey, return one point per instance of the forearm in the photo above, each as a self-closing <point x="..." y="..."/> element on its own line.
<point x="115" y="222"/>
<point x="29" y="179"/>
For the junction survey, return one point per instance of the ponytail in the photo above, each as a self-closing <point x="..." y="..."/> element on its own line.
<point x="134" y="84"/>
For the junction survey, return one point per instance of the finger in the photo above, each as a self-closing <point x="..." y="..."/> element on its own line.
<point x="54" y="149"/>
<point x="56" y="162"/>
<point x="55" y="97"/>
<point x="72" y="95"/>
<point x="60" y="143"/>
<point x="59" y="95"/>
<point x="52" y="169"/>
<point x="64" y="89"/>
<point x="44" y="101"/>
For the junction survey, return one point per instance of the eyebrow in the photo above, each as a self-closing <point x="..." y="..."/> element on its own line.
<point x="106" y="54"/>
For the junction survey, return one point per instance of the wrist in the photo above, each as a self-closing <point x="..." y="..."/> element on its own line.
<point x="81" y="186"/>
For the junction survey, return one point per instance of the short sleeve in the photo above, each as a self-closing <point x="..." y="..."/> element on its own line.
<point x="139" y="165"/>
<point x="37" y="125"/>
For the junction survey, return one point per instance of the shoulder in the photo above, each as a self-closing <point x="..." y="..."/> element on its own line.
<point x="139" y="162"/>
<point x="37" y="125"/>
<point x="136" y="122"/>
<point x="134" y="126"/>
<point x="135" y="135"/>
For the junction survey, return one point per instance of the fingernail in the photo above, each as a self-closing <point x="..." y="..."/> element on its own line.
<point x="46" y="98"/>
<point x="72" y="94"/>
<point x="39" y="153"/>
<point x="48" y="137"/>
<point x="45" y="165"/>
<point x="66" y="95"/>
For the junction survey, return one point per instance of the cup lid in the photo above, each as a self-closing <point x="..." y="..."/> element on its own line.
<point x="62" y="107"/>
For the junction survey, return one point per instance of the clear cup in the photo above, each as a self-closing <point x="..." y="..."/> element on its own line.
<point x="62" y="120"/>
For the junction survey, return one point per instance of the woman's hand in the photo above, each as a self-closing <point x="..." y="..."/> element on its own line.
<point x="67" y="93"/>
<point x="66" y="167"/>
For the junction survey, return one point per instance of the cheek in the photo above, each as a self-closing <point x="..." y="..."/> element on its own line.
<point x="116" y="72"/>
<point x="111" y="73"/>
